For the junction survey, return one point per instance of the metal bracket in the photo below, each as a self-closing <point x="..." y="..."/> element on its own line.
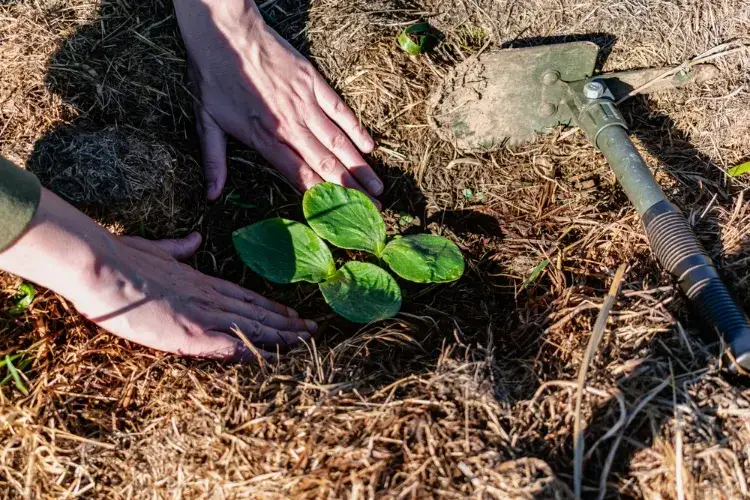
<point x="592" y="106"/>
<point x="624" y="82"/>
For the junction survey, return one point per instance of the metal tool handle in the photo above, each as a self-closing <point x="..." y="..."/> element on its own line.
<point x="672" y="240"/>
<point x="679" y="251"/>
<point x="676" y="247"/>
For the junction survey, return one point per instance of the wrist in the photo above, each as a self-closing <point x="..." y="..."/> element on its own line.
<point x="194" y="15"/>
<point x="62" y="249"/>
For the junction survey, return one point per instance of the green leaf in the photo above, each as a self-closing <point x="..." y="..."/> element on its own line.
<point x="419" y="38"/>
<point x="535" y="273"/>
<point x="362" y="293"/>
<point x="22" y="365"/>
<point x="425" y="258"/>
<point x="345" y="217"/>
<point x="284" y="251"/>
<point x="408" y="45"/>
<point x="740" y="169"/>
<point x="16" y="376"/>
<point x="470" y="195"/>
<point x="405" y="219"/>
<point x="236" y="200"/>
<point x="24" y="298"/>
<point x="3" y="362"/>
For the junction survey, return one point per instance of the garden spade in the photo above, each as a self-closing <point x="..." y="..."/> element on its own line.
<point x="509" y="97"/>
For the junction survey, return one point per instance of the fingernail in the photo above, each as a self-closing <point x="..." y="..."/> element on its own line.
<point x="292" y="313"/>
<point x="375" y="186"/>
<point x="311" y="325"/>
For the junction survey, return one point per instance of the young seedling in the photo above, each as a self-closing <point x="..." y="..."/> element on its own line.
<point x="285" y="251"/>
<point x="24" y="298"/>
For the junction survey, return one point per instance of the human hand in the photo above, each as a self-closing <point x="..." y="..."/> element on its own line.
<point x="137" y="289"/>
<point x="143" y="294"/>
<point x="257" y="88"/>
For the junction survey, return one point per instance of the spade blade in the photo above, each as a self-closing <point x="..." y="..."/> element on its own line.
<point x="508" y="96"/>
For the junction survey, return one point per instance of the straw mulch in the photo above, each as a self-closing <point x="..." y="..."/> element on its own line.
<point x="470" y="391"/>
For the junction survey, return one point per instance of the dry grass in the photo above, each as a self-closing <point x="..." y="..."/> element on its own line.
<point x="116" y="176"/>
<point x="470" y="392"/>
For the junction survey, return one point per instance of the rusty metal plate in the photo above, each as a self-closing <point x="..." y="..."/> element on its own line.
<point x="508" y="96"/>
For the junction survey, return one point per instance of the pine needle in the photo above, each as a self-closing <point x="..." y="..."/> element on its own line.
<point x="594" y="340"/>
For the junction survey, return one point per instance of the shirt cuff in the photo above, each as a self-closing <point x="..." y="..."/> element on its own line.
<point x="20" y="192"/>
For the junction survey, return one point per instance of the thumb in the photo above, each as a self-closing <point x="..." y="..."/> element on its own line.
<point x="214" y="151"/>
<point x="182" y="248"/>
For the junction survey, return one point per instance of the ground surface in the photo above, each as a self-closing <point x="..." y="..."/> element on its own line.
<point x="470" y="391"/>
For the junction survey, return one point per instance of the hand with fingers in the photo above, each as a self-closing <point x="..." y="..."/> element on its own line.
<point x="138" y="289"/>
<point x="251" y="84"/>
<point x="171" y="307"/>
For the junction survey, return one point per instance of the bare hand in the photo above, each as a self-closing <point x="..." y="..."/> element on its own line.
<point x="139" y="291"/>
<point x="145" y="295"/>
<point x="255" y="87"/>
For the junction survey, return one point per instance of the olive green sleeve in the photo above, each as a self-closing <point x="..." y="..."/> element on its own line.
<point x="19" y="197"/>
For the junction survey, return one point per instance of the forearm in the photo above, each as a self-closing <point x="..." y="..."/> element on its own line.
<point x="238" y="10"/>
<point x="225" y="16"/>
<point x="61" y="249"/>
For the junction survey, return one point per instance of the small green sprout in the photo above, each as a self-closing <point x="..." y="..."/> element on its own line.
<point x="535" y="273"/>
<point x="24" y="298"/>
<point x="419" y="38"/>
<point x="14" y="373"/>
<point x="236" y="200"/>
<point x="740" y="169"/>
<point x="405" y="219"/>
<point x="285" y="251"/>
<point x="470" y="195"/>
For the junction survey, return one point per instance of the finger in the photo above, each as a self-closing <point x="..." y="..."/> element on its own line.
<point x="221" y="346"/>
<point x="340" y="113"/>
<point x="266" y="317"/>
<point x="181" y="248"/>
<point x="334" y="139"/>
<point x="183" y="338"/>
<point x="256" y="332"/>
<point x="289" y="164"/>
<point x="167" y="249"/>
<point x="237" y="292"/>
<point x="144" y="245"/>
<point x="214" y="153"/>
<point x="323" y="161"/>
